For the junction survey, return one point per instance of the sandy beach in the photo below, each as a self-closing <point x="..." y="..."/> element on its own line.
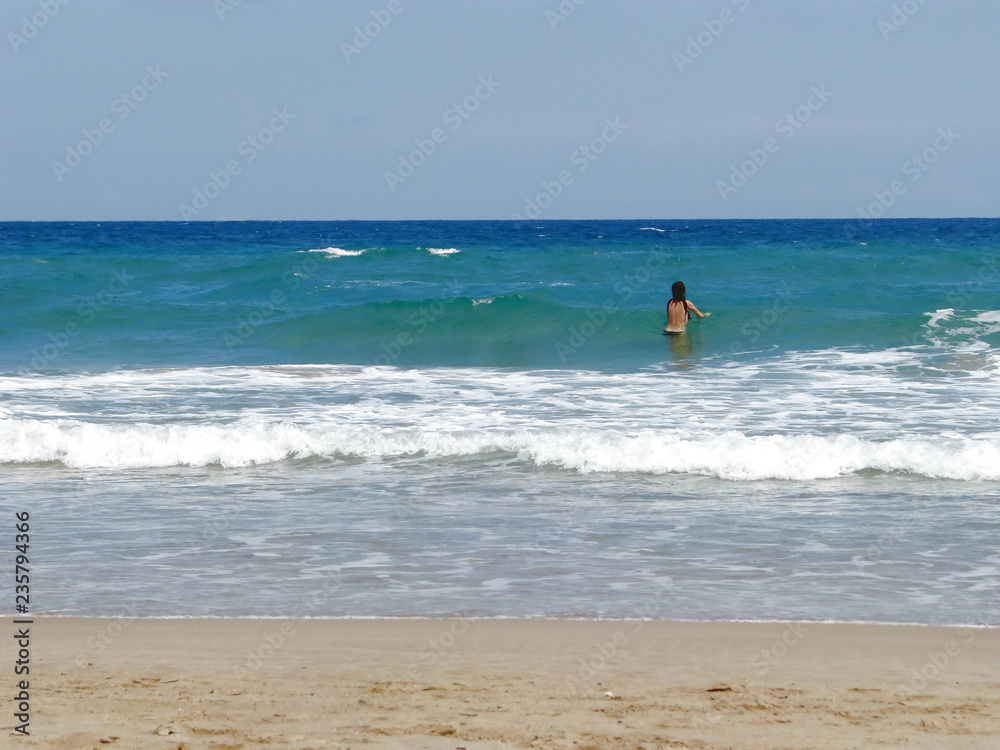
<point x="449" y="684"/>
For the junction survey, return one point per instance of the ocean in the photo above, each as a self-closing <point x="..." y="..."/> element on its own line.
<point x="476" y="418"/>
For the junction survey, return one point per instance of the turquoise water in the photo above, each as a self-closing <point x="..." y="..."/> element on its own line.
<point x="397" y="418"/>
<point x="248" y="293"/>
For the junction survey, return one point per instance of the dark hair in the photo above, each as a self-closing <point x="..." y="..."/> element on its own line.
<point x="679" y="292"/>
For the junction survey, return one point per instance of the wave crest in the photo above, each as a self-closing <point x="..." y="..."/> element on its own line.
<point x="336" y="252"/>
<point x="730" y="455"/>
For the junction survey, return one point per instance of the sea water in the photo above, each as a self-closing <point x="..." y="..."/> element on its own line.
<point x="483" y="418"/>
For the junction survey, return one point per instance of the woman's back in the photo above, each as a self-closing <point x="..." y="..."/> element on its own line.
<point x="679" y="309"/>
<point x="677" y="316"/>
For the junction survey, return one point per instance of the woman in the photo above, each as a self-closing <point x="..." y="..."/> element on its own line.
<point x="679" y="310"/>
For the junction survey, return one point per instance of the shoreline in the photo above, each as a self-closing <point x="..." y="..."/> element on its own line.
<point x="508" y="683"/>
<point x="501" y="618"/>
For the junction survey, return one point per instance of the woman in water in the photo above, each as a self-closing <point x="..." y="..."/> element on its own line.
<point x="679" y="310"/>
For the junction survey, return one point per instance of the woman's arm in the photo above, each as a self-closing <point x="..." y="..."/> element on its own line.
<point x="695" y="310"/>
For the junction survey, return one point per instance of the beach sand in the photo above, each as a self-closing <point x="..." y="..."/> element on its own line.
<point x="446" y="684"/>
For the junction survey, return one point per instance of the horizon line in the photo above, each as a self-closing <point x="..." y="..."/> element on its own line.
<point x="511" y="221"/>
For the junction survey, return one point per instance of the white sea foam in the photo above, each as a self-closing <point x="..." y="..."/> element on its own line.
<point x="806" y="415"/>
<point x="336" y="252"/>
<point x="728" y="455"/>
<point x="651" y="229"/>
<point x="989" y="322"/>
<point x="938" y="315"/>
<point x="443" y="250"/>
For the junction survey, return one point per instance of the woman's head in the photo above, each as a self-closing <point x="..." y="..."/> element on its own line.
<point x="678" y="291"/>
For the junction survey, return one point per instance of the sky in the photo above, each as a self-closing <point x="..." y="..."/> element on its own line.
<point x="498" y="109"/>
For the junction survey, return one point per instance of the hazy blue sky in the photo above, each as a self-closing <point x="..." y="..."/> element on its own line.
<point x="318" y="109"/>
